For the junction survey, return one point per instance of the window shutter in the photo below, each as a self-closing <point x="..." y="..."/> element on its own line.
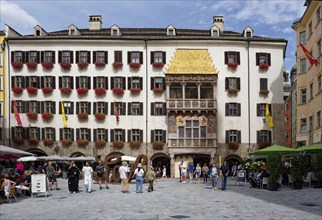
<point x="270" y="137"/>
<point x="227" y="136"/>
<point x="54" y="82"/>
<point x="128" y="57"/>
<point x="227" y="109"/>
<point x="152" y="108"/>
<point x="12" y="81"/>
<point x="60" y="82"/>
<point x="123" y="135"/>
<point x="72" y="135"/>
<point x="60" y="108"/>
<point x="257" y="59"/>
<point x="23" y="106"/>
<point x="141" y="83"/>
<point x="94" y="82"/>
<point x="129" y="135"/>
<point x="54" y="107"/>
<point x="141" y="135"/>
<point x="27" y="81"/>
<point x="164" y="58"/>
<point x="42" y="106"/>
<point x="94" y="108"/>
<point x="112" y="82"/>
<point x="152" y="83"/>
<point x="238" y="83"/>
<point x="106" y="82"/>
<point x="164" y="136"/>
<point x="112" y="108"/>
<point x="27" y="103"/>
<point x="59" y="56"/>
<point x="89" y="108"/>
<point x="42" y="56"/>
<point x="152" y="136"/>
<point x="53" y="55"/>
<point x="12" y="56"/>
<point x="88" y="57"/>
<point x="89" y="82"/>
<point x="77" y="108"/>
<point x="152" y="57"/>
<point x="124" y="83"/>
<point x="77" y="82"/>
<point x="239" y="136"/>
<point x="38" y="107"/>
<point x="164" y="107"/>
<point x="72" y="108"/>
<point x="38" y="57"/>
<point x="141" y="108"/>
<point x="129" y="110"/>
<point x="270" y="109"/>
<point x="112" y="135"/>
<point x="23" y="56"/>
<point x="258" y="110"/>
<point x="124" y="108"/>
<point x="94" y="56"/>
<point x="26" y="57"/>
<point x="71" y="56"/>
<point x="141" y="57"/>
<point x="71" y="82"/>
<point x="27" y="134"/>
<point x="258" y="136"/>
<point x="106" y="108"/>
<point x="42" y="82"/>
<point x="38" y="82"/>
<point x="106" y="135"/>
<point x="269" y="59"/>
<point x="61" y="136"/>
<point x="89" y="134"/>
<point x="238" y="109"/>
<point x="13" y="133"/>
<point x="95" y="134"/>
<point x="129" y="80"/>
<point x="238" y="57"/>
<point x="226" y="83"/>
<point x="106" y="57"/>
<point x="54" y="134"/>
<point x="43" y="133"/>
<point x="77" y="134"/>
<point x="163" y="83"/>
<point x="226" y="57"/>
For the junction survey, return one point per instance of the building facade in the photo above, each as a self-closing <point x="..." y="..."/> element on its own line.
<point x="172" y="94"/>
<point x="309" y="77"/>
<point x="2" y="88"/>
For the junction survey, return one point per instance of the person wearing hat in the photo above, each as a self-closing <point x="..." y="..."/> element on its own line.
<point x="123" y="170"/>
<point x="150" y="177"/>
<point x="139" y="172"/>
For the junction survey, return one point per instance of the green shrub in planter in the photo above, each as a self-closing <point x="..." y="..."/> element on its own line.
<point x="275" y="170"/>
<point x="317" y="169"/>
<point x="299" y="169"/>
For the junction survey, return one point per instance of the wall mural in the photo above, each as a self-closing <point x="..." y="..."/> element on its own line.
<point x="172" y="124"/>
<point x="211" y="128"/>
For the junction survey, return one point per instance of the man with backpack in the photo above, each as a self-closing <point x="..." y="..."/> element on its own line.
<point x="100" y="170"/>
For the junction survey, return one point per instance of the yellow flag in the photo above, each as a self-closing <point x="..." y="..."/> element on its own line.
<point x="63" y="114"/>
<point x="269" y="119"/>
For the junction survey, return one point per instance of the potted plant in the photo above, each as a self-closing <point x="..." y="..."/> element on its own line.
<point x="118" y="91"/>
<point x="82" y="65"/>
<point x="47" y="90"/>
<point x="66" y="142"/>
<point x="33" y="141"/>
<point x="135" y="90"/>
<point x="299" y="169"/>
<point x="32" y="115"/>
<point x="82" y="116"/>
<point x="17" y="90"/>
<point x="232" y="65"/>
<point x="233" y="145"/>
<point x="135" y="65"/>
<point x="100" y="143"/>
<point x="117" y="65"/>
<point x="47" y="65"/>
<point x="100" y="64"/>
<point x="263" y="66"/>
<point x="31" y="65"/>
<point x="65" y="65"/>
<point x="82" y="143"/>
<point x="317" y="169"/>
<point x="118" y="144"/>
<point x="82" y="91"/>
<point x="158" y="145"/>
<point x="158" y="90"/>
<point x="275" y="171"/>
<point x="18" y="141"/>
<point x="263" y="92"/>
<point x="16" y="65"/>
<point x="100" y="116"/>
<point x="47" y="116"/>
<point x="232" y="91"/>
<point x="65" y="90"/>
<point x="100" y="91"/>
<point x="157" y="64"/>
<point x="48" y="142"/>
<point x="135" y="144"/>
<point x="32" y="90"/>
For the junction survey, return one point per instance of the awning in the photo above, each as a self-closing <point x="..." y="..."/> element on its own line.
<point x="314" y="148"/>
<point x="275" y="149"/>
<point x="10" y="150"/>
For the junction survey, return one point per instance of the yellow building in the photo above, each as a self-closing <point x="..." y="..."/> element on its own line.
<point x="309" y="77"/>
<point x="2" y="88"/>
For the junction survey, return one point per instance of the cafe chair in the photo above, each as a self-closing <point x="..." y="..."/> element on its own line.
<point x="308" y="178"/>
<point x="265" y="182"/>
<point x="11" y="194"/>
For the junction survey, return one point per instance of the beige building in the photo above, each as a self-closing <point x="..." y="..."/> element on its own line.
<point x="309" y="77"/>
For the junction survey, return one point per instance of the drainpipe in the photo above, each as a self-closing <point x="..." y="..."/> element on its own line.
<point x="248" y="90"/>
<point x="146" y="100"/>
<point x="9" y="93"/>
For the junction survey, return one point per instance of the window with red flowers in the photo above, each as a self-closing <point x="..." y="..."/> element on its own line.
<point x="83" y="107"/>
<point x="83" y="82"/>
<point x="65" y="56"/>
<point x="101" y="134"/>
<point x="135" y="108"/>
<point x="68" y="108"/>
<point x="48" y="106"/>
<point x="18" y="56"/>
<point x="157" y="57"/>
<point x="18" y="81"/>
<point x="66" y="82"/>
<point x="83" y="56"/>
<point x="66" y="134"/>
<point x="48" y="56"/>
<point x="263" y="58"/>
<point x="232" y="57"/>
<point x="134" y="82"/>
<point x="100" y="107"/>
<point x="135" y="57"/>
<point x="48" y="133"/>
<point x="48" y="81"/>
<point x="121" y="108"/>
<point x="135" y="135"/>
<point x="100" y="57"/>
<point x="83" y="134"/>
<point x="117" y="135"/>
<point x="118" y="82"/>
<point x="100" y="82"/>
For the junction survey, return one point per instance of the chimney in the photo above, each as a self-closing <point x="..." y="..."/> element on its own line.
<point x="219" y="22"/>
<point x="95" y="22"/>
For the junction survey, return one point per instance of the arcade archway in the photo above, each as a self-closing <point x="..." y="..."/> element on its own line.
<point x="233" y="159"/>
<point x="37" y="151"/>
<point x="79" y="164"/>
<point x="158" y="161"/>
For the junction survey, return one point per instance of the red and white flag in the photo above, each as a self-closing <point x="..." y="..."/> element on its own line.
<point x="15" y="111"/>
<point x="116" y="112"/>
<point x="309" y="56"/>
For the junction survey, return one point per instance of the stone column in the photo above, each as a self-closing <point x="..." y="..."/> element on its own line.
<point x="172" y="168"/>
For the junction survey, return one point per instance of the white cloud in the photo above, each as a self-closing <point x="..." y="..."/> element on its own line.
<point x="16" y="17"/>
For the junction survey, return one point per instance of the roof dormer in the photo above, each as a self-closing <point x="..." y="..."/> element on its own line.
<point x="73" y="30"/>
<point x="39" y="31"/>
<point x="115" y="30"/>
<point x="214" y="31"/>
<point x="171" y="31"/>
<point x="248" y="32"/>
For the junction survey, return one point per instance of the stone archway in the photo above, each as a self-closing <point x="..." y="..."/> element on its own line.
<point x="37" y="151"/>
<point x="233" y="159"/>
<point x="77" y="154"/>
<point x="159" y="160"/>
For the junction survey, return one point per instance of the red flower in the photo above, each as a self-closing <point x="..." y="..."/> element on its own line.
<point x="32" y="115"/>
<point x="117" y="65"/>
<point x="158" y="145"/>
<point x="16" y="65"/>
<point x="65" y="90"/>
<point x="32" y="90"/>
<point x="118" y="144"/>
<point x="82" y="91"/>
<point x="232" y="65"/>
<point x="33" y="141"/>
<point x="18" y="141"/>
<point x="263" y="66"/>
<point x="233" y="145"/>
<point x="47" y="65"/>
<point x="232" y="91"/>
<point x="47" y="90"/>
<point x="48" y="142"/>
<point x="66" y="142"/>
<point x="158" y="65"/>
<point x="100" y="144"/>
<point x="135" y="65"/>
<point x="82" y="65"/>
<point x="100" y="64"/>
<point x="100" y="91"/>
<point x="100" y="116"/>
<point x="47" y="116"/>
<point x="135" y="144"/>
<point x="135" y="90"/>
<point x="82" y="143"/>
<point x="31" y="65"/>
<point x="158" y="90"/>
<point x="118" y="91"/>
<point x="65" y="66"/>
<point x="82" y="116"/>
<point x="17" y="90"/>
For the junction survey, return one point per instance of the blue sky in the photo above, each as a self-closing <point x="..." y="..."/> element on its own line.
<point x="271" y="18"/>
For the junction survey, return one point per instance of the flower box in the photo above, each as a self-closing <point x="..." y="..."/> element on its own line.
<point x="264" y="144"/>
<point x="66" y="142"/>
<point x="117" y="65"/>
<point x="65" y="66"/>
<point x="135" y="65"/>
<point x="16" y="65"/>
<point x="100" y="91"/>
<point x="47" y="116"/>
<point x="158" y="65"/>
<point x="99" y="143"/>
<point x="100" y="116"/>
<point x="135" y="144"/>
<point x="18" y="141"/>
<point x="263" y="66"/>
<point x="82" y="143"/>
<point x="233" y="145"/>
<point x="232" y="91"/>
<point x="158" y="145"/>
<point x="100" y="64"/>
<point x="31" y="65"/>
<point x="118" y="91"/>
<point x="17" y="90"/>
<point x="82" y="116"/>
<point x="47" y="90"/>
<point x="158" y="90"/>
<point x="48" y="142"/>
<point x="82" y="65"/>
<point x="32" y="90"/>
<point x="135" y="90"/>
<point x="118" y="144"/>
<point x="263" y="92"/>
<point x="47" y="65"/>
<point x="232" y="65"/>
<point x="82" y="91"/>
<point x="33" y="141"/>
<point x="65" y="90"/>
<point x="32" y="115"/>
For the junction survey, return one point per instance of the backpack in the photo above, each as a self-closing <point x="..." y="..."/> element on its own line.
<point x="100" y="169"/>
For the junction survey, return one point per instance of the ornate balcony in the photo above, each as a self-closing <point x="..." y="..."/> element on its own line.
<point x="192" y="104"/>
<point x="202" y="142"/>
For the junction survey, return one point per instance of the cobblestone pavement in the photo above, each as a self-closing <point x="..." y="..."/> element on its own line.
<point x="170" y="200"/>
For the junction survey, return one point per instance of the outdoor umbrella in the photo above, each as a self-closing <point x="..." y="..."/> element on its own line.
<point x="314" y="148"/>
<point x="82" y="158"/>
<point x="52" y="158"/>
<point x="8" y="156"/>
<point x="128" y="158"/>
<point x="29" y="158"/>
<point x="10" y="150"/>
<point x="275" y="149"/>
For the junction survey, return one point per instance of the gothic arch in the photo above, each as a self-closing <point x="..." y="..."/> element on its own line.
<point x="37" y="151"/>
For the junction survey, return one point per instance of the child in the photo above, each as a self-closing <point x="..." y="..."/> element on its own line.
<point x="150" y="177"/>
<point x="198" y="172"/>
<point x="164" y="172"/>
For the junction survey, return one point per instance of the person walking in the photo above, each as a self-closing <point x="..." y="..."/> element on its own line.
<point x="213" y="176"/>
<point x="164" y="172"/>
<point x="50" y="170"/>
<point x="234" y="170"/>
<point x="224" y="171"/>
<point x="150" y="177"/>
<point x="139" y="172"/>
<point x="88" y="172"/>
<point x="198" y="172"/>
<point x="100" y="171"/>
<point x="190" y="170"/>
<point x="183" y="172"/>
<point x="180" y="168"/>
<point x="205" y="173"/>
<point x="73" y="178"/>
<point x="123" y="170"/>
